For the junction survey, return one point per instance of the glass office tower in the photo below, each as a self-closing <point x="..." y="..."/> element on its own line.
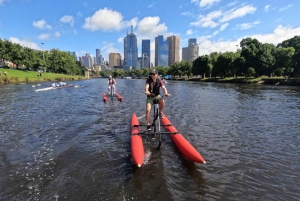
<point x="146" y="53"/>
<point x="161" y="51"/>
<point x="130" y="50"/>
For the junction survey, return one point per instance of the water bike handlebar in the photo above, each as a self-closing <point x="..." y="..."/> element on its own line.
<point x="161" y="97"/>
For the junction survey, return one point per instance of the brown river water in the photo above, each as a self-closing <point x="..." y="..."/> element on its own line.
<point x="66" y="144"/>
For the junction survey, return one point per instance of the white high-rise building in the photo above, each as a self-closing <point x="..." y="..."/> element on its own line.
<point x="87" y="61"/>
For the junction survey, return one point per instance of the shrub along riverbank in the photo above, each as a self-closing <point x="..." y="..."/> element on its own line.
<point x="16" y="76"/>
<point x="260" y="80"/>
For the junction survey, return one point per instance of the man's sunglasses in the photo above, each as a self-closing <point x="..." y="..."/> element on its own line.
<point x="152" y="74"/>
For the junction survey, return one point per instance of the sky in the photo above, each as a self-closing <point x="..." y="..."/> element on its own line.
<point x="84" y="26"/>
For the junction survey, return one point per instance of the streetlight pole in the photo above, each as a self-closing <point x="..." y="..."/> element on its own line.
<point x="43" y="51"/>
<point x="237" y="56"/>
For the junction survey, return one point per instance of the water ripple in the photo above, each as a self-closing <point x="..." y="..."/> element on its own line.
<point x="67" y="144"/>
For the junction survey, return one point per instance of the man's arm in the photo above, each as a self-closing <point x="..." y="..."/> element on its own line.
<point x="146" y="89"/>
<point x="165" y="90"/>
<point x="115" y="82"/>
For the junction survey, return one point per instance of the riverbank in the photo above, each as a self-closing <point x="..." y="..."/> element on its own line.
<point x="260" y="80"/>
<point x="17" y="76"/>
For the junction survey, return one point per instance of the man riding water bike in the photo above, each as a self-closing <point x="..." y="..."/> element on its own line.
<point x="111" y="83"/>
<point x="153" y="84"/>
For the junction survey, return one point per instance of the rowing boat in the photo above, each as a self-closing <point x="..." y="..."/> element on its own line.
<point x="50" y="88"/>
<point x="181" y="143"/>
<point x="46" y="89"/>
<point x="137" y="147"/>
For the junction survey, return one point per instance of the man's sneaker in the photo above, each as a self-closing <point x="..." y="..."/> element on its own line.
<point x="149" y="128"/>
<point x="161" y="116"/>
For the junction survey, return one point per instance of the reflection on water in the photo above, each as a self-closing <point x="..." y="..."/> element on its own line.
<point x="67" y="144"/>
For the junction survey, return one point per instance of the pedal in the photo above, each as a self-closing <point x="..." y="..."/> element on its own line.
<point x="150" y="134"/>
<point x="152" y="137"/>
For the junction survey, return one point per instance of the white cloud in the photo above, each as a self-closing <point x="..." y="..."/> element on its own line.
<point x="150" y="27"/>
<point x="280" y="33"/>
<point x="67" y="19"/>
<point x="187" y="13"/>
<point x="223" y="27"/>
<point x="237" y="13"/>
<point x="208" y="20"/>
<point x="189" y="32"/>
<point x="107" y="20"/>
<point x="231" y="4"/>
<point x="25" y="43"/>
<point x="41" y="24"/>
<point x="44" y="36"/>
<point x="213" y="18"/>
<point x="204" y="3"/>
<point x="57" y="34"/>
<point x="151" y="5"/>
<point x="267" y="7"/>
<point x="247" y="25"/>
<point x="2" y="1"/>
<point x="121" y="40"/>
<point x="286" y="7"/>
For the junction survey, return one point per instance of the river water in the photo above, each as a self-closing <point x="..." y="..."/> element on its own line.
<point x="66" y="144"/>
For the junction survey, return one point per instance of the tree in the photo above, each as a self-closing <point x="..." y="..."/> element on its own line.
<point x="175" y="70"/>
<point x="213" y="56"/>
<point x="266" y="59"/>
<point x="284" y="61"/>
<point x="186" y="67"/>
<point x="250" y="51"/>
<point x="223" y="65"/>
<point x="239" y="66"/>
<point x="202" y="65"/>
<point x="295" y="43"/>
<point x="161" y="70"/>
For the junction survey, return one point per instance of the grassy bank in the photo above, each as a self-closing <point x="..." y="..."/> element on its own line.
<point x="15" y="76"/>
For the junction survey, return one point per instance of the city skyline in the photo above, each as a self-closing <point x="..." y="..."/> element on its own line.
<point x="82" y="27"/>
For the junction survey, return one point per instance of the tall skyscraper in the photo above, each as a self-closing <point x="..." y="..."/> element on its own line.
<point x="146" y="53"/>
<point x="161" y="51"/>
<point x="98" y="53"/>
<point x="191" y="52"/>
<point x="99" y="58"/>
<point x="130" y="50"/>
<point x="114" y="59"/>
<point x="174" y="43"/>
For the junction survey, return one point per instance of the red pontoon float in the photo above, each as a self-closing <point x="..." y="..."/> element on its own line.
<point x="137" y="147"/>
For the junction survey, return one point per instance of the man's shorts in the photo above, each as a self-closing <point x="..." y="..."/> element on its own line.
<point x="151" y="99"/>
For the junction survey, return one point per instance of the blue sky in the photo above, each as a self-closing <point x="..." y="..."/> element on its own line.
<point x="83" y="26"/>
